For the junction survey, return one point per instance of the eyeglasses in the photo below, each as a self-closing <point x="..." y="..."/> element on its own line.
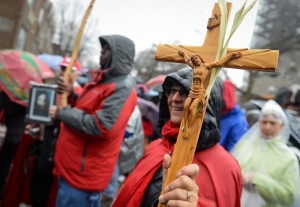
<point x="170" y="92"/>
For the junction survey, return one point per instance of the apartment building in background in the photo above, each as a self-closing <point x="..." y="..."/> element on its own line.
<point x="27" y="25"/>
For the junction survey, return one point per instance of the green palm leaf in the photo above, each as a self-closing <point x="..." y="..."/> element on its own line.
<point x="222" y="48"/>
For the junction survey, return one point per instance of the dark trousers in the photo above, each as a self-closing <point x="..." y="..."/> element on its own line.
<point x="7" y="155"/>
<point x="40" y="186"/>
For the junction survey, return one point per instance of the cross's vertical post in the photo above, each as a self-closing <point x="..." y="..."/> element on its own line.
<point x="202" y="60"/>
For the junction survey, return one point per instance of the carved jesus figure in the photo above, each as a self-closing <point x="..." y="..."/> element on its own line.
<point x="196" y="102"/>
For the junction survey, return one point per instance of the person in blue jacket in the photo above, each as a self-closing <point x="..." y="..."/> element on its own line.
<point x="233" y="122"/>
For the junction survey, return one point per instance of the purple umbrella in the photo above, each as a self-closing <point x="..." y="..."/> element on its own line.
<point x="149" y="110"/>
<point x="53" y="61"/>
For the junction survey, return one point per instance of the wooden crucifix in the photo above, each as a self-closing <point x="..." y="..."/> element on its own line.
<point x="202" y="60"/>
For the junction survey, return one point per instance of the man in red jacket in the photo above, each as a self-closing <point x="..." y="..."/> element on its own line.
<point x="92" y="131"/>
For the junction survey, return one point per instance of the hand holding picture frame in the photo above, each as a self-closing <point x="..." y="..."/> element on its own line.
<point x="41" y="98"/>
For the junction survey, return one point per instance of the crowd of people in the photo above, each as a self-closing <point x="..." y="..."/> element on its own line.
<point x="113" y="144"/>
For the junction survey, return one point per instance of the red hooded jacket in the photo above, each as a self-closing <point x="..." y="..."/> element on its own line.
<point x="219" y="180"/>
<point x="92" y="132"/>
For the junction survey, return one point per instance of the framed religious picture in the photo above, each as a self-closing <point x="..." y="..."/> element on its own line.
<point x="41" y="98"/>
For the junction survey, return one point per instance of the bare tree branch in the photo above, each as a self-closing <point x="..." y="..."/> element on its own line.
<point x="68" y="21"/>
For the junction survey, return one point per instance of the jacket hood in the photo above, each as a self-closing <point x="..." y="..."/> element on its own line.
<point x="228" y="96"/>
<point x="210" y="134"/>
<point x="122" y="54"/>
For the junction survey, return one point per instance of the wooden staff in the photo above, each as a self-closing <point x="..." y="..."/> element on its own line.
<point x="64" y="98"/>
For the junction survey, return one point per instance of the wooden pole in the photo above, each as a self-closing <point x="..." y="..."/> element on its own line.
<point x="64" y="98"/>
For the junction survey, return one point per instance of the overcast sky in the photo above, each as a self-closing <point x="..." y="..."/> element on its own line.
<point x="149" y="22"/>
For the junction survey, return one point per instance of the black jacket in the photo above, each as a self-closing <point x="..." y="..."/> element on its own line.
<point x="14" y="119"/>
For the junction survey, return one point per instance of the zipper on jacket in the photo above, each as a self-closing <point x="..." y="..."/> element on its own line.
<point x="83" y="156"/>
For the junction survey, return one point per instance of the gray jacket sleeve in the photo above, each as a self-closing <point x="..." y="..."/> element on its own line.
<point x="101" y="121"/>
<point x="77" y="119"/>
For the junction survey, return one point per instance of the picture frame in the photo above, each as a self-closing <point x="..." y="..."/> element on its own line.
<point x="41" y="98"/>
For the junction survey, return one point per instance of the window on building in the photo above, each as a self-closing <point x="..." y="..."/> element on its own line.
<point x="41" y="15"/>
<point x="30" y="2"/>
<point x="6" y="25"/>
<point x="21" y="38"/>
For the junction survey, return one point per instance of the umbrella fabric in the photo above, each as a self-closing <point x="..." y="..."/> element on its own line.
<point x="149" y="110"/>
<point x="53" y="61"/>
<point x="157" y="87"/>
<point x="15" y="77"/>
<point x="156" y="80"/>
<point x="148" y="92"/>
<point x="84" y="70"/>
<point x="44" y="71"/>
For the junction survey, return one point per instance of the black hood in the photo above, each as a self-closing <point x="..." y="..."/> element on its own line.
<point x="210" y="133"/>
<point x="122" y="54"/>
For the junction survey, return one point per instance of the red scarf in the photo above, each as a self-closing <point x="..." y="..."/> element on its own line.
<point x="132" y="192"/>
<point x="169" y="135"/>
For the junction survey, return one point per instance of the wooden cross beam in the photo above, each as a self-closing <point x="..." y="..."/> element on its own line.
<point x="202" y="60"/>
<point x="259" y="60"/>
